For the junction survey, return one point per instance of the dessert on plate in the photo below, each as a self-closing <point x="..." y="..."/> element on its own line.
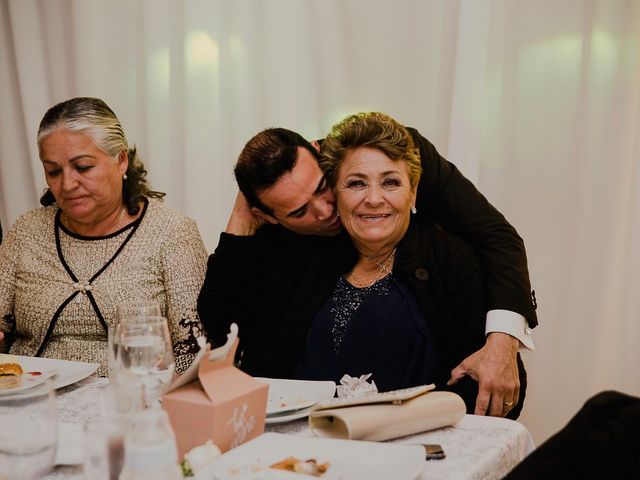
<point x="308" y="467"/>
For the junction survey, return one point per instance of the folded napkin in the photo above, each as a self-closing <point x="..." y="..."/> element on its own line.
<point x="383" y="421"/>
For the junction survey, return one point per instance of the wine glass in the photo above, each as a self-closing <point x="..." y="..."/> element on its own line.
<point x="28" y="429"/>
<point x="143" y="348"/>
<point x="123" y="396"/>
<point x="135" y="311"/>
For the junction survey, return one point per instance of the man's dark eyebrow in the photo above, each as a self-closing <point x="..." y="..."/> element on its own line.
<point x="321" y="185"/>
<point x="297" y="211"/>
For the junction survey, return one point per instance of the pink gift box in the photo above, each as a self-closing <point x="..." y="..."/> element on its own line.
<point x="225" y="405"/>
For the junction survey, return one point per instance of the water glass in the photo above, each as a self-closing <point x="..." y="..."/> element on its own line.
<point x="144" y="349"/>
<point x="126" y="312"/>
<point x="28" y="428"/>
<point x="123" y="396"/>
<point x="150" y="448"/>
<point x="137" y="310"/>
<point x="104" y="448"/>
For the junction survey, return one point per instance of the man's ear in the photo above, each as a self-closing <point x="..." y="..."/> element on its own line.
<point x="266" y="217"/>
<point x="316" y="145"/>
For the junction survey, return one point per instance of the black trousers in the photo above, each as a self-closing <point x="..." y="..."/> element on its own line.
<point x="601" y="441"/>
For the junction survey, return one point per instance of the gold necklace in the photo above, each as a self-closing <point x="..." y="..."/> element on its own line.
<point x="384" y="264"/>
<point x="383" y="267"/>
<point x="65" y="221"/>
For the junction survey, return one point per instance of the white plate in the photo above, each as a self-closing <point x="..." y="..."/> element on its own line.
<point x="295" y="395"/>
<point x="278" y="405"/>
<point x="66" y="372"/>
<point x="287" y="417"/>
<point x="348" y="459"/>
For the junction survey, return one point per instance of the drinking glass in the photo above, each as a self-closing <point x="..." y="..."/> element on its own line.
<point x="104" y="448"/>
<point x="150" y="448"/>
<point x="28" y="428"/>
<point x="144" y="349"/>
<point x="123" y="396"/>
<point x="135" y="311"/>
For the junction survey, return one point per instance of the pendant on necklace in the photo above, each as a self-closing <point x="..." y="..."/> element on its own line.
<point x="82" y="288"/>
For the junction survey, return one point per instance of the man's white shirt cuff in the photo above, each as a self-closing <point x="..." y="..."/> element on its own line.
<point x="512" y="323"/>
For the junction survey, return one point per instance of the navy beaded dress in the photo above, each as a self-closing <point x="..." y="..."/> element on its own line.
<point x="379" y="329"/>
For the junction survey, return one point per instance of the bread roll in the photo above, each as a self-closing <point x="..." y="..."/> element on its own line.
<point x="10" y="375"/>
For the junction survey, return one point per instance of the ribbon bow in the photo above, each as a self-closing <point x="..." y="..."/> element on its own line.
<point x="355" y="387"/>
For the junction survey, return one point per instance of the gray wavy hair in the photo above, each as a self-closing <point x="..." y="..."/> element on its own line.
<point x="94" y="118"/>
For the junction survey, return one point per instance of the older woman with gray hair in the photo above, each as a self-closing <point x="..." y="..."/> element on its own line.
<point x="102" y="237"/>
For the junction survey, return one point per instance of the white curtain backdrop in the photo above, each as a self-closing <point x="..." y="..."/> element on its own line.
<point x="537" y="102"/>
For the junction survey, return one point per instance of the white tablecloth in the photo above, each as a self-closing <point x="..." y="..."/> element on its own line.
<point x="476" y="447"/>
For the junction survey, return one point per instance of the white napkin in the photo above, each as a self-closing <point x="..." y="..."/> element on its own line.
<point x="383" y="421"/>
<point x="70" y="448"/>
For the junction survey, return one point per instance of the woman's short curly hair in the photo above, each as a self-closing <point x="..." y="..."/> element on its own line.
<point x="372" y="130"/>
<point x="94" y="118"/>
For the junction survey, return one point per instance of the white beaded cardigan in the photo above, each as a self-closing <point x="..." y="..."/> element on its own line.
<point x="59" y="290"/>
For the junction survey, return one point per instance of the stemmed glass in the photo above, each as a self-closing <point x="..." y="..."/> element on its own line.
<point x="135" y="311"/>
<point x="28" y="430"/>
<point x="143" y="349"/>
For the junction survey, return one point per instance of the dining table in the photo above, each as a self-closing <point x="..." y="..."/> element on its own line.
<point x="477" y="447"/>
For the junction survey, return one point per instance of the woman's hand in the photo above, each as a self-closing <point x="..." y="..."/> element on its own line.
<point x="495" y="368"/>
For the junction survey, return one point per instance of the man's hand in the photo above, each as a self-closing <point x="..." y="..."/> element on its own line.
<point x="495" y="368"/>
<point x="242" y="221"/>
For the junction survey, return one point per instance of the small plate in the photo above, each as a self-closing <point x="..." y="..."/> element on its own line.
<point x="287" y="417"/>
<point x="295" y="395"/>
<point x="280" y="405"/>
<point x="30" y="378"/>
<point x="66" y="372"/>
